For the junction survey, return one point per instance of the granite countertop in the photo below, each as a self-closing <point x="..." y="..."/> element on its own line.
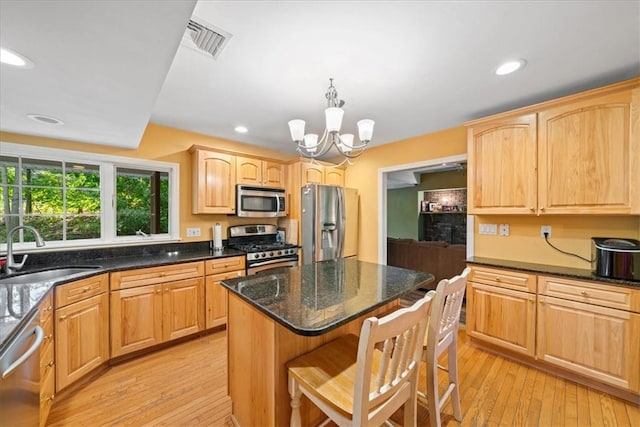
<point x="574" y="273"/>
<point x="315" y="298"/>
<point x="19" y="301"/>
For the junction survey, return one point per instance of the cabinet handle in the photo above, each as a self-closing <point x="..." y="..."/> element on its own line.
<point x="49" y="308"/>
<point x="86" y="289"/>
<point x="163" y="274"/>
<point x="584" y="294"/>
<point x="166" y="290"/>
<point x="63" y="317"/>
<point x="48" y="337"/>
<point x="541" y="208"/>
<point x="532" y="209"/>
<point x="158" y="291"/>
<point x="52" y="397"/>
<point x="498" y="279"/>
<point x="50" y="364"/>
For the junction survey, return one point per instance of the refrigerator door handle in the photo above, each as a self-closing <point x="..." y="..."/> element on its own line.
<point x="341" y="222"/>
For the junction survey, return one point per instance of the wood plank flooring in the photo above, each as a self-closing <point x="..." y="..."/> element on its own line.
<point x="185" y="385"/>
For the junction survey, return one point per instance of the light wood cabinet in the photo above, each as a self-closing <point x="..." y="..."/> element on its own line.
<point x="216" y="295"/>
<point x="591" y="329"/>
<point x="267" y="173"/>
<point x="334" y="176"/>
<point x="502" y="166"/>
<point x="153" y="305"/>
<point x="214" y="180"/>
<point x="584" y="163"/>
<point x="574" y="155"/>
<point x="501" y="309"/>
<point x="81" y="329"/>
<point x="47" y="360"/>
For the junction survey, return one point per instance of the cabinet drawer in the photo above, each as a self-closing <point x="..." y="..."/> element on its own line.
<point x="46" y="309"/>
<point x="81" y="289"/>
<point x="153" y="275"/>
<point x="46" y="358"/>
<point x="222" y="265"/>
<point x="611" y="296"/>
<point x="503" y="278"/>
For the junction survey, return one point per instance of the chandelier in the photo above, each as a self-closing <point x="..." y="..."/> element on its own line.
<point x="309" y="146"/>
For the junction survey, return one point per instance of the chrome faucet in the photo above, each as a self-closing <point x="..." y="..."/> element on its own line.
<point x="11" y="265"/>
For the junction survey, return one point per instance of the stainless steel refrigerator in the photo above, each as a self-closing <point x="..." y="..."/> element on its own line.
<point x="329" y="222"/>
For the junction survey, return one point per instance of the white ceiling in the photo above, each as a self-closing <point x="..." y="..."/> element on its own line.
<point x="106" y="68"/>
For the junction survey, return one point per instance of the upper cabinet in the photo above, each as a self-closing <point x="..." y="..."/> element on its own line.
<point x="575" y="155"/>
<point x="316" y="173"/>
<point x="259" y="172"/>
<point x="502" y="166"/>
<point x="214" y="180"/>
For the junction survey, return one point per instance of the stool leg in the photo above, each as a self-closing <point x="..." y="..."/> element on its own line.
<point x="294" y="391"/>
<point x="453" y="379"/>
<point x="433" y="396"/>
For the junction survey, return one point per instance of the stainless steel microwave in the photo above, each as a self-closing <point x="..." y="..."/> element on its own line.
<point x="260" y="202"/>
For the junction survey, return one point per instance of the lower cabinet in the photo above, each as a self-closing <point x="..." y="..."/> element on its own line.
<point x="147" y="308"/>
<point x="81" y="328"/>
<point x="216" y="295"/>
<point x="591" y="330"/>
<point x="501" y="309"/>
<point x="47" y="361"/>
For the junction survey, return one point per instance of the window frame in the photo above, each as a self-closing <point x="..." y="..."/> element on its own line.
<point x="107" y="165"/>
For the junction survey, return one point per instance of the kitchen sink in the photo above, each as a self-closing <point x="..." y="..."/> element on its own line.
<point x="52" y="274"/>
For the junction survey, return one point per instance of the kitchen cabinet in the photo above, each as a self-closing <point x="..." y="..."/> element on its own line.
<point x="214" y="180"/>
<point x="153" y="305"/>
<point x="81" y="329"/>
<point x="47" y="361"/>
<point x="501" y="308"/>
<point x="501" y="168"/>
<point x="575" y="155"/>
<point x="258" y="172"/>
<point x="591" y="329"/>
<point x="216" y="295"/>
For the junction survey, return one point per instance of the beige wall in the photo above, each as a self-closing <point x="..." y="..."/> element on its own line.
<point x="169" y="145"/>
<point x="363" y="175"/>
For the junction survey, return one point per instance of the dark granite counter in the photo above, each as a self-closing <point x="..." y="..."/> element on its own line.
<point x="574" y="273"/>
<point x="18" y="301"/>
<point x="314" y="299"/>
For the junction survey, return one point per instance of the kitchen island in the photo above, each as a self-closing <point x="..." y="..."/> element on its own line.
<point x="280" y="314"/>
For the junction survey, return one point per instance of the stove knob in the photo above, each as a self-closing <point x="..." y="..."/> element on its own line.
<point x="271" y="254"/>
<point x="280" y="252"/>
<point x="263" y="255"/>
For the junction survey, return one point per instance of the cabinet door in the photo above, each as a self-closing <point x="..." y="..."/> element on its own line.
<point x="248" y="171"/>
<point x="182" y="308"/>
<point x="273" y="174"/>
<point x="334" y="176"/>
<point x="502" y="317"/>
<point x="214" y="180"/>
<point x="82" y="339"/>
<point x="312" y="174"/>
<point x="216" y="297"/>
<point x="501" y="172"/>
<point x="585" y="158"/>
<point x="598" y="342"/>
<point x="136" y="319"/>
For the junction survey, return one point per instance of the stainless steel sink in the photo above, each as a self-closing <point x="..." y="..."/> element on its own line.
<point x="47" y="275"/>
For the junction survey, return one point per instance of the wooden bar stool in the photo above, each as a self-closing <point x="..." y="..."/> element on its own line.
<point x="442" y="334"/>
<point x="354" y="382"/>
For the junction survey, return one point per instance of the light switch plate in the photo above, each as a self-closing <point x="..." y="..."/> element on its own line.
<point x="491" y="229"/>
<point x="193" y="232"/>
<point x="504" y="229"/>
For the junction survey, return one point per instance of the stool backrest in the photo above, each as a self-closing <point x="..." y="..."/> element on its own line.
<point x="389" y="376"/>
<point x="445" y="312"/>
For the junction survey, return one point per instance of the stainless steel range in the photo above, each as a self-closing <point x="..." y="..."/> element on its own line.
<point x="262" y="247"/>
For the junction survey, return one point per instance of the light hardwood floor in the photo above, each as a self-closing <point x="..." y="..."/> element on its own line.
<point x="184" y="386"/>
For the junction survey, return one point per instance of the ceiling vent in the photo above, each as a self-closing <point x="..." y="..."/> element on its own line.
<point x="205" y="38"/>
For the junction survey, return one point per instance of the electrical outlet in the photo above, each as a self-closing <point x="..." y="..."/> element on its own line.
<point x="545" y="229"/>
<point x="193" y="232"/>
<point x="491" y="229"/>
<point x="504" y="229"/>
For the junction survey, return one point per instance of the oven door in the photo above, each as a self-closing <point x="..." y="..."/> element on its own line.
<point x="274" y="263"/>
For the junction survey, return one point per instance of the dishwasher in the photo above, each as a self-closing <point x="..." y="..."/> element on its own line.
<point x="20" y="376"/>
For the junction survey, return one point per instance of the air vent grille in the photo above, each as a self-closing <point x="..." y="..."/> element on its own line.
<point x="208" y="39"/>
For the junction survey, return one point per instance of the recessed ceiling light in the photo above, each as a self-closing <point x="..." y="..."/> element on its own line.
<point x="510" y="66"/>
<point x="45" y="119"/>
<point x="11" y="57"/>
<point x="241" y="129"/>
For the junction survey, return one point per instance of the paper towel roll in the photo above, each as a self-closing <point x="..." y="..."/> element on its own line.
<point x="217" y="237"/>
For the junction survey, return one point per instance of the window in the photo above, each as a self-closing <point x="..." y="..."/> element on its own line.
<point x="81" y="199"/>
